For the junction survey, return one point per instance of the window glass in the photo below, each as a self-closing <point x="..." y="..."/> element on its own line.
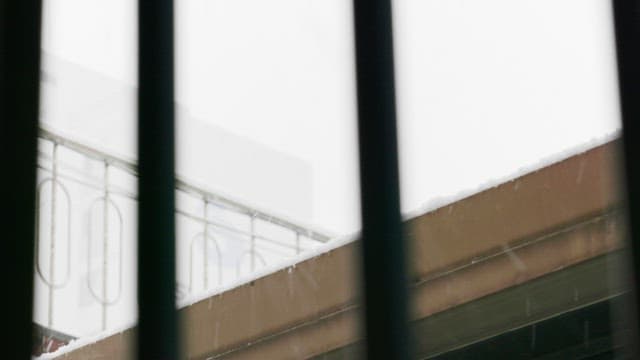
<point x="509" y="151"/>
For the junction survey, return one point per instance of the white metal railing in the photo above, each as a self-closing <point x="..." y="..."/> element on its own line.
<point x="207" y="227"/>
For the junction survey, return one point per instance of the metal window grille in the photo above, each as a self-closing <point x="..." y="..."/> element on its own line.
<point x="627" y="32"/>
<point x="385" y="302"/>
<point x="19" y="84"/>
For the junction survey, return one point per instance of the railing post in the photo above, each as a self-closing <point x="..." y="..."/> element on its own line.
<point x="105" y="245"/>
<point x="205" y="239"/>
<point x="52" y="231"/>
<point x="19" y="106"/>
<point x="385" y="286"/>
<point x="157" y="331"/>
<point x="252" y="255"/>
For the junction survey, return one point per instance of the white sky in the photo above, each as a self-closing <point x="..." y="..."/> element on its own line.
<point x="484" y="87"/>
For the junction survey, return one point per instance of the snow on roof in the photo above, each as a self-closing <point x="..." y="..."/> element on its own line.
<point x="288" y="264"/>
<point x="442" y="201"/>
<point x="81" y="342"/>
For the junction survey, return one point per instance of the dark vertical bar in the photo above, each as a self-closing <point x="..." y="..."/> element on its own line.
<point x="157" y="334"/>
<point x="383" y="246"/>
<point x="19" y="97"/>
<point x="626" y="18"/>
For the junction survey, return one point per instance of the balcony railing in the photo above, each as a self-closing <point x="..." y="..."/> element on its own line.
<point x="87" y="195"/>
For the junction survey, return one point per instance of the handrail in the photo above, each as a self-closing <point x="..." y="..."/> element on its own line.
<point x="182" y="185"/>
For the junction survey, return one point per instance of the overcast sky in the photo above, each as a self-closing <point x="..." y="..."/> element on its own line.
<point x="484" y="87"/>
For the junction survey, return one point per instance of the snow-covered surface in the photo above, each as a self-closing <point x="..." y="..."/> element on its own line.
<point x="442" y="201"/>
<point x="273" y="268"/>
<point x="81" y="342"/>
<point x="290" y="264"/>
